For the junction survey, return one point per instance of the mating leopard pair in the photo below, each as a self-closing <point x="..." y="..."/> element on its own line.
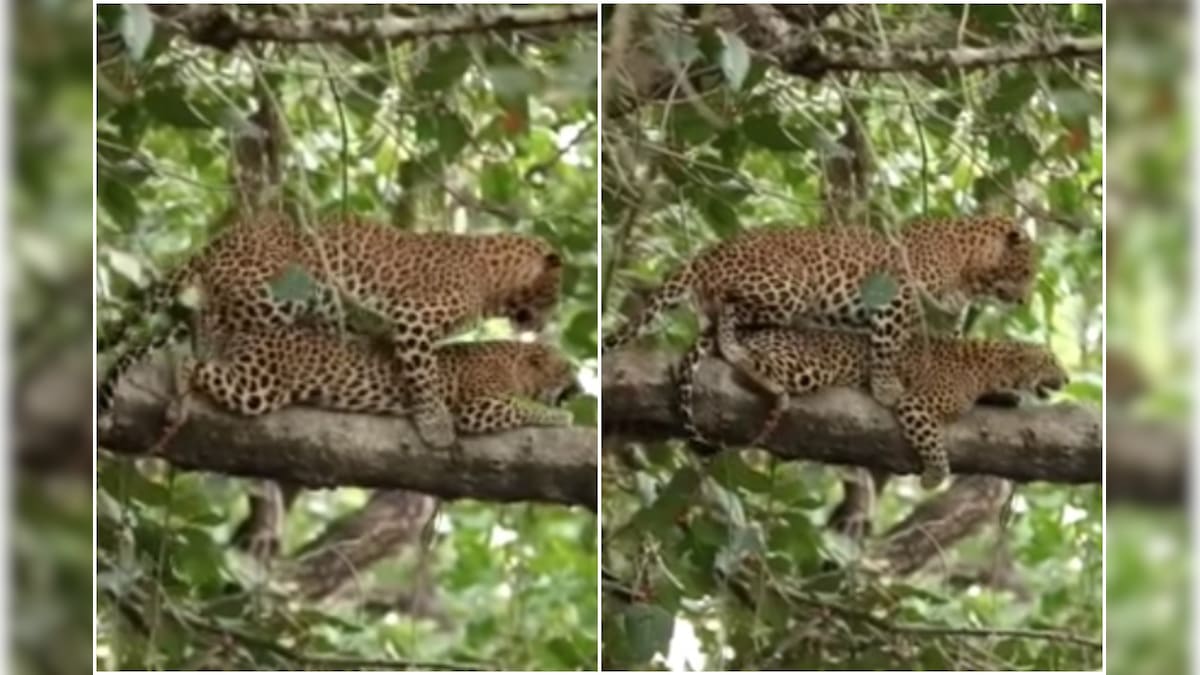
<point x="755" y="287"/>
<point x="274" y="351"/>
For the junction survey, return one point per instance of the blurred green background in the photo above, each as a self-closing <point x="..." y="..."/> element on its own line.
<point x="1150" y="339"/>
<point x="487" y="132"/>
<point x="724" y="139"/>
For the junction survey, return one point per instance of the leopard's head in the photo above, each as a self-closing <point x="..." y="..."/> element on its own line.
<point x="526" y="282"/>
<point x="1034" y="368"/>
<point x="549" y="376"/>
<point x="1001" y="259"/>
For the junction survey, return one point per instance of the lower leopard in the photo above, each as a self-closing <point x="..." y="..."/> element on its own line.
<point x="943" y="378"/>
<point x="490" y="386"/>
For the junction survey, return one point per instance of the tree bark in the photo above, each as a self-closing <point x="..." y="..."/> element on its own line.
<point x="1059" y="443"/>
<point x="314" y="448"/>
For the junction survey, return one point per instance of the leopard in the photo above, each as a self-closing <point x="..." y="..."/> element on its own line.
<point x="425" y="286"/>
<point x="492" y="385"/>
<point x="781" y="276"/>
<point x="944" y="377"/>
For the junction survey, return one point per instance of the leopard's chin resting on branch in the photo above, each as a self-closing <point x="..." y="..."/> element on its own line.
<point x="1055" y="443"/>
<point x="316" y="448"/>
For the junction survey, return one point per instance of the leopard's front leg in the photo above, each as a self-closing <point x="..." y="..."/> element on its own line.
<point x="921" y="423"/>
<point x="891" y="326"/>
<point x="413" y="344"/>
<point x="489" y="415"/>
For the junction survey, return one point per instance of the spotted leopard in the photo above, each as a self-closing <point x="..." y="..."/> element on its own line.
<point x="425" y="285"/>
<point x="491" y="385"/>
<point x="943" y="377"/>
<point x="778" y="276"/>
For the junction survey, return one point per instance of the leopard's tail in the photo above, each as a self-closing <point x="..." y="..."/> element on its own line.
<point x="673" y="292"/>
<point x="685" y="384"/>
<point x="158" y="297"/>
<point x="176" y="332"/>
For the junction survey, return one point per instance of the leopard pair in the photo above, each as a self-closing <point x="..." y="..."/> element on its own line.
<point x="277" y="348"/>
<point x="943" y="377"/>
<point x="781" y="277"/>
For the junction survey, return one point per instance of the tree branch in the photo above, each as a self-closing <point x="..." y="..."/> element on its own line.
<point x="813" y="61"/>
<point x="940" y="522"/>
<point x="315" y="448"/>
<point x="387" y="523"/>
<point x="1058" y="443"/>
<point x="218" y="27"/>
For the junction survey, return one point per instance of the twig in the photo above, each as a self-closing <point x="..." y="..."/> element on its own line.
<point x="337" y="98"/>
<point x="542" y="167"/>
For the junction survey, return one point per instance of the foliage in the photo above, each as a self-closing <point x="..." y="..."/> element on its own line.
<point x="728" y="566"/>
<point x="490" y="132"/>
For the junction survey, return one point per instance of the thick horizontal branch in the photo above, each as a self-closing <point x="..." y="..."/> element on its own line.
<point x="811" y="60"/>
<point x="218" y="27"/>
<point x="1147" y="461"/>
<point x="1059" y="443"/>
<point x="314" y="448"/>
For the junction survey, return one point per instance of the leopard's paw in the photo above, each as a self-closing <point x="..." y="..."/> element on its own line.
<point x="931" y="479"/>
<point x="436" y="429"/>
<point x="887" y="390"/>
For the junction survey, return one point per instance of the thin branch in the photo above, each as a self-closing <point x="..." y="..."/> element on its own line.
<point x="315" y="448"/>
<point x="918" y="629"/>
<point x="218" y="27"/>
<point x="291" y="657"/>
<point x="813" y="61"/>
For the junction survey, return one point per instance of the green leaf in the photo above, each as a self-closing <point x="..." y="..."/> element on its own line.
<point x="648" y="629"/>
<point x="689" y="126"/>
<point x="419" y="169"/>
<point x="743" y="541"/>
<point x="735" y="60"/>
<point x="1018" y="148"/>
<point x="293" y="284"/>
<point x="878" y="290"/>
<point x="583" y="410"/>
<point x="512" y="81"/>
<point x="766" y="131"/>
<point x="137" y="29"/>
<point x="581" y="332"/>
<point x="731" y="471"/>
<point x="444" y="67"/>
<point x="117" y="199"/>
<point x="453" y="134"/>
<point x="671" y="500"/>
<point x="1075" y="104"/>
<point x="721" y="216"/>
<point x="678" y="49"/>
<point x="172" y="107"/>
<point x="1012" y="93"/>
<point x="498" y="183"/>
